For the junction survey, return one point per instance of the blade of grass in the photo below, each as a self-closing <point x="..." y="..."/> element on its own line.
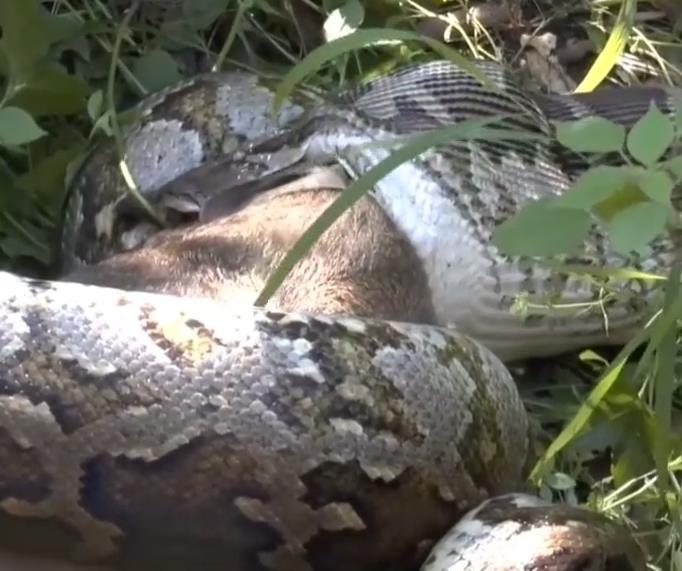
<point x="415" y="146"/>
<point x="665" y="375"/>
<point x="654" y="333"/>
<point x="116" y="129"/>
<point x="362" y="39"/>
<point x="613" y="49"/>
<point x="579" y="422"/>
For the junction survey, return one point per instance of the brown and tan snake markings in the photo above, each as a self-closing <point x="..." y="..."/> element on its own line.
<point x="152" y="419"/>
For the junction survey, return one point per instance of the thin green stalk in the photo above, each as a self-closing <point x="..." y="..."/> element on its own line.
<point x="116" y="129"/>
<point x="242" y="7"/>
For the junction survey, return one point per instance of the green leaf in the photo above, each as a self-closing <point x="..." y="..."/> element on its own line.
<point x="650" y="137"/>
<point x="25" y="35"/>
<point x="542" y="229"/>
<point x="674" y="166"/>
<point x="200" y="14"/>
<point x="63" y="27"/>
<point x="17" y="127"/>
<point x="50" y="90"/>
<point x="634" y="227"/>
<point x="95" y="105"/>
<point x="156" y="69"/>
<point x="656" y="184"/>
<point x="594" y="186"/>
<point x="15" y="246"/>
<point x="591" y="135"/>
<point x="344" y="20"/>
<point x="635" y="458"/>
<point x="46" y="180"/>
<point x="560" y="481"/>
<point x="653" y="332"/>
<point x="580" y="422"/>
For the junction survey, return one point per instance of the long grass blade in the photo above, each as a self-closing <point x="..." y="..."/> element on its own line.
<point x="613" y="49"/>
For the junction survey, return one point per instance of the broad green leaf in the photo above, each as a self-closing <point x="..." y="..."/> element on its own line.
<point x="635" y="457"/>
<point x="14" y="245"/>
<point x="50" y="90"/>
<point x="156" y="69"/>
<point x="45" y="180"/>
<point x="650" y="137"/>
<point x="63" y="27"/>
<point x="560" y="481"/>
<point x="633" y="228"/>
<point x="23" y="238"/>
<point x="591" y="135"/>
<point x="104" y="124"/>
<point x="200" y="14"/>
<point x="613" y="49"/>
<point x="543" y="229"/>
<point x="656" y="184"/>
<point x="674" y="166"/>
<point x="25" y="35"/>
<point x="96" y="105"/>
<point x="344" y="20"/>
<point x="595" y="186"/>
<point x="17" y="127"/>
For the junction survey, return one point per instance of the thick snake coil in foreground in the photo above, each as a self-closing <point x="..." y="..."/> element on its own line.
<point x="150" y="431"/>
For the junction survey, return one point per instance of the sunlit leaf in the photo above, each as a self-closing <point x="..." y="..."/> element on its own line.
<point x="674" y="166"/>
<point x="542" y="229"/>
<point x="344" y="20"/>
<point x="656" y="184"/>
<point x="634" y="227"/>
<point x="594" y="186"/>
<point x="591" y="135"/>
<point x="95" y="105"/>
<point x="17" y="127"/>
<point x="156" y="69"/>
<point x="650" y="137"/>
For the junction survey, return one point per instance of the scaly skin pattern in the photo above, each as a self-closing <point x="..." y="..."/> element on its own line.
<point x="209" y="117"/>
<point x="150" y="432"/>
<point x="517" y="531"/>
<point x="157" y="433"/>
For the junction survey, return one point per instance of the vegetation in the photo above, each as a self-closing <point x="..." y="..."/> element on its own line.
<point x="68" y="66"/>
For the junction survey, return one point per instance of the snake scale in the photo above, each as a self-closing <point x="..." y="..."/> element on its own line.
<point x="145" y="430"/>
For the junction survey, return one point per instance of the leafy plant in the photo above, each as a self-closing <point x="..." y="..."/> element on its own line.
<point x="633" y="203"/>
<point x="67" y="67"/>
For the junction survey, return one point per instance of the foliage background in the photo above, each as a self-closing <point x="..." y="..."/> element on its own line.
<point x="68" y="66"/>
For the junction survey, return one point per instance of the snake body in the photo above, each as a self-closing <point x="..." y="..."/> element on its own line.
<point x="150" y="431"/>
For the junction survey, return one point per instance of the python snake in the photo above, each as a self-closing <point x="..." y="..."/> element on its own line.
<point x="151" y="431"/>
